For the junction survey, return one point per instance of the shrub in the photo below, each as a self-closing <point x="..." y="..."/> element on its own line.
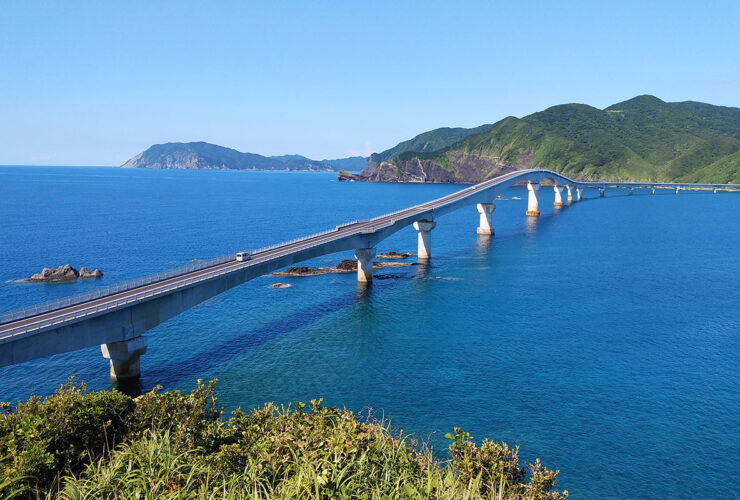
<point x="75" y="444"/>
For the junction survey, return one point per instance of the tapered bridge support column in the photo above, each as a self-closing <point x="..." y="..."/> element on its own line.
<point x="486" y="214"/>
<point x="425" y="238"/>
<point x="364" y="258"/>
<point x="601" y="192"/>
<point x="579" y="193"/>
<point x="533" y="207"/>
<point x="570" y="194"/>
<point x="125" y="357"/>
<point x="678" y="188"/>
<point x="652" y="191"/>
<point x="630" y="191"/>
<point x="558" y="196"/>
<point x="714" y="191"/>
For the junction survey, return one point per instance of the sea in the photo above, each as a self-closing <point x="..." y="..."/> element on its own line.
<point x="602" y="337"/>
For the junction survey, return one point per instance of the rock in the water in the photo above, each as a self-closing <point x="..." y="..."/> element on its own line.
<point x="280" y="285"/>
<point x="394" y="255"/>
<point x="298" y="270"/>
<point x="347" y="265"/>
<point x="349" y="176"/>
<point x="86" y="273"/>
<point x="61" y="273"/>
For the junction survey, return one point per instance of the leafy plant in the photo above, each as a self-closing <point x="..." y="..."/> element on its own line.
<point x="75" y="445"/>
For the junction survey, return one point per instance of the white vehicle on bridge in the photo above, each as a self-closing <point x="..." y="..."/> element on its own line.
<point x="242" y="256"/>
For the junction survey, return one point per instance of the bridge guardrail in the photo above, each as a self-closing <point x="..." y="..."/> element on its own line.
<point x="139" y="296"/>
<point x="30" y="311"/>
<point x="296" y="240"/>
<point x="80" y="298"/>
<point x="110" y="305"/>
<point x="25" y="312"/>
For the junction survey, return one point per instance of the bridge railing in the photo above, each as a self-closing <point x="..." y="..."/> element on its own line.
<point x="80" y="298"/>
<point x="302" y="238"/>
<point x="25" y="312"/>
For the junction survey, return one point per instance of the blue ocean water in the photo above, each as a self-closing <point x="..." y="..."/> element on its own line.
<point x="604" y="338"/>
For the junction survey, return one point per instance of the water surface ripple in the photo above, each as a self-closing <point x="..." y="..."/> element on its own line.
<point x="602" y="337"/>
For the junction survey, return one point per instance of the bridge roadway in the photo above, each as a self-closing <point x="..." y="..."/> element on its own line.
<point x="114" y="320"/>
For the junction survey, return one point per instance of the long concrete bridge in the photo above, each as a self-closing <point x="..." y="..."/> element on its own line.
<point x="117" y="317"/>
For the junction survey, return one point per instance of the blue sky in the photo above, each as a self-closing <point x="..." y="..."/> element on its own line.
<point x="94" y="83"/>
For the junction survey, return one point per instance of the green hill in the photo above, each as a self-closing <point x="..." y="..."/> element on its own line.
<point x="202" y="155"/>
<point x="642" y="139"/>
<point x="429" y="141"/>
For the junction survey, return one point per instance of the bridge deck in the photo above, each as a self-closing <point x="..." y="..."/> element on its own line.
<point x="361" y="234"/>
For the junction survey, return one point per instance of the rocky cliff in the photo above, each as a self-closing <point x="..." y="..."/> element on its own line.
<point x="455" y="167"/>
<point x="642" y="139"/>
<point x="64" y="273"/>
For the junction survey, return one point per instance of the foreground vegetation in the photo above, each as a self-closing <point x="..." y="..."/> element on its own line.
<point x="76" y="444"/>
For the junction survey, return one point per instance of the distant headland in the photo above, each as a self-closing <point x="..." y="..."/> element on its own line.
<point x="205" y="156"/>
<point x="641" y="139"/>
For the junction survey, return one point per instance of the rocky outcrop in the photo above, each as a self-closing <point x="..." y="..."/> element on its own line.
<point x="453" y="166"/>
<point x="349" y="176"/>
<point x="370" y="166"/>
<point x="63" y="273"/>
<point x="87" y="273"/>
<point x="394" y="255"/>
<point x="346" y="266"/>
<point x="280" y="285"/>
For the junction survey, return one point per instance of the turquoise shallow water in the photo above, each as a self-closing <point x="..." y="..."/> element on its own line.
<point x="603" y="337"/>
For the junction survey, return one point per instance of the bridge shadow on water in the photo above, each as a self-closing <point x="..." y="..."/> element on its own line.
<point x="220" y="353"/>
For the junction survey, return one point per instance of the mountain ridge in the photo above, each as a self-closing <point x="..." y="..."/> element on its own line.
<point x="640" y="139"/>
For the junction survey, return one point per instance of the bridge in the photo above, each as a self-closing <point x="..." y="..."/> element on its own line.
<point x="116" y="317"/>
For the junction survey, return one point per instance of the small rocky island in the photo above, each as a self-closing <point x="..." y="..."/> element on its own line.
<point x="63" y="273"/>
<point x="346" y="266"/>
<point x="280" y="285"/>
<point x="394" y="255"/>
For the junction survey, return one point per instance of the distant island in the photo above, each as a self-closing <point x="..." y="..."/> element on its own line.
<point x="641" y="139"/>
<point x="205" y="156"/>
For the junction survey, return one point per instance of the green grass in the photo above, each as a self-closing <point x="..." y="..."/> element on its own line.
<point x="75" y="445"/>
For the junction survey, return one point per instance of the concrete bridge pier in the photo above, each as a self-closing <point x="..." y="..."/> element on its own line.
<point x="601" y="192"/>
<point x="714" y="191"/>
<point x="558" y="196"/>
<point x="570" y="194"/>
<point x="364" y="258"/>
<point x="486" y="213"/>
<point x="579" y="193"/>
<point x="652" y="191"/>
<point x="630" y="191"/>
<point x="125" y="357"/>
<point x="678" y="188"/>
<point x="425" y="238"/>
<point x="533" y="207"/>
